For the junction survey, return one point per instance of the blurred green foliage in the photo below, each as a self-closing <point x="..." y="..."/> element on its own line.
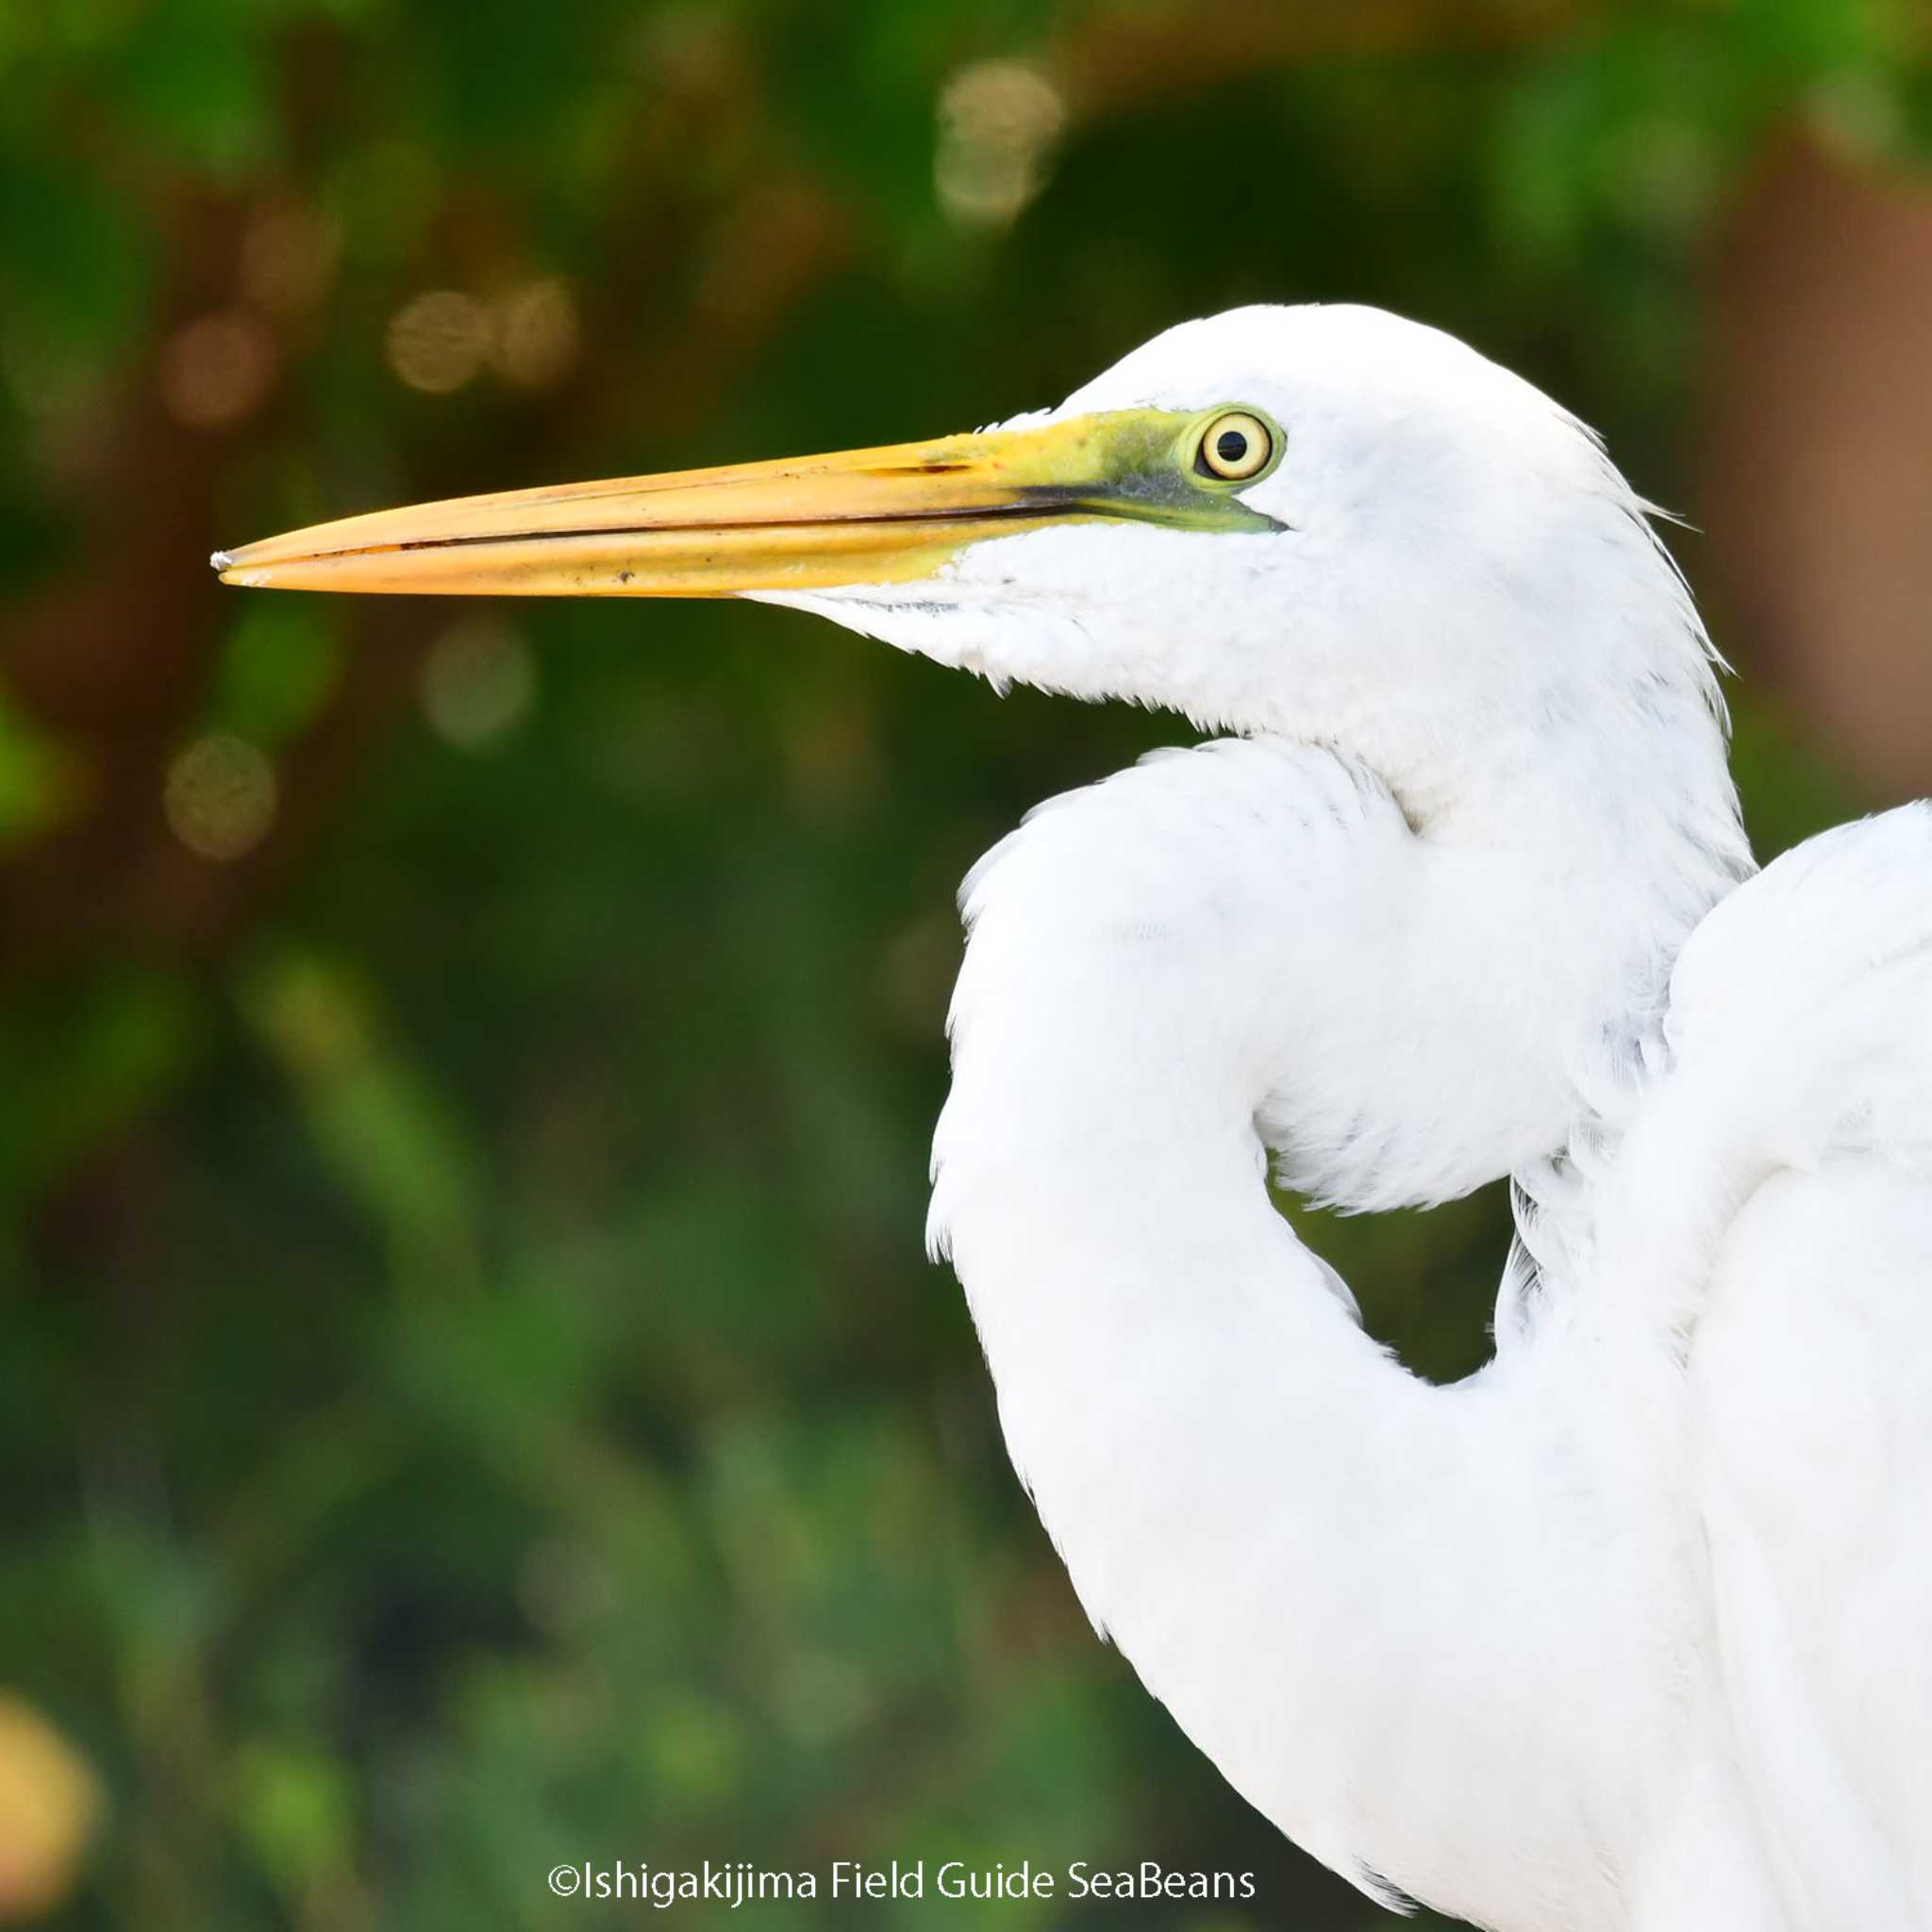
<point x="472" y="1397"/>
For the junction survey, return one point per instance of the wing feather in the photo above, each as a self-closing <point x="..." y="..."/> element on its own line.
<point x="1794" y="1147"/>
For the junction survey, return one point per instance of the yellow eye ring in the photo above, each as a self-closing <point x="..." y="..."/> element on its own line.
<point x="1234" y="447"/>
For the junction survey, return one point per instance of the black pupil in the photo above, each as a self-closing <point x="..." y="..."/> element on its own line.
<point x="1231" y="445"/>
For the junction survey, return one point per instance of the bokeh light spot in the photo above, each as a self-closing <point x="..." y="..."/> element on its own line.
<point x="999" y="121"/>
<point x="216" y="369"/>
<point x="535" y="338"/>
<point x="49" y="1806"/>
<point x="438" y="341"/>
<point x="220" y="797"/>
<point x="479" y="680"/>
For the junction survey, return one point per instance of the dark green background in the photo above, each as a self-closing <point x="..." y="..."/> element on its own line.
<point x="472" y="1398"/>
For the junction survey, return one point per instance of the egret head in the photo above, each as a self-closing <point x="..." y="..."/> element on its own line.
<point x="1321" y="520"/>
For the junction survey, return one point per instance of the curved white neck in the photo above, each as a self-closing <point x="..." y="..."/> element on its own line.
<point x="1241" y="942"/>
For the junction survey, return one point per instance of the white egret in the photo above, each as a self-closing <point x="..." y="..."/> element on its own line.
<point x="1632" y="1629"/>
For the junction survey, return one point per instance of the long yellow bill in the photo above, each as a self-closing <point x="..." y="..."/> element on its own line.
<point x="888" y="515"/>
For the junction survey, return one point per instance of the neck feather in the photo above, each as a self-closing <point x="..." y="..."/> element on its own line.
<point x="1236" y="949"/>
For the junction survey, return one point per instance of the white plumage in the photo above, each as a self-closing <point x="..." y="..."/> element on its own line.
<point x="1632" y="1631"/>
<point x="1634" y="1628"/>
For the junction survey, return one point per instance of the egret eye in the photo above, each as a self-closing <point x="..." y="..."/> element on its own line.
<point x="1234" y="447"/>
